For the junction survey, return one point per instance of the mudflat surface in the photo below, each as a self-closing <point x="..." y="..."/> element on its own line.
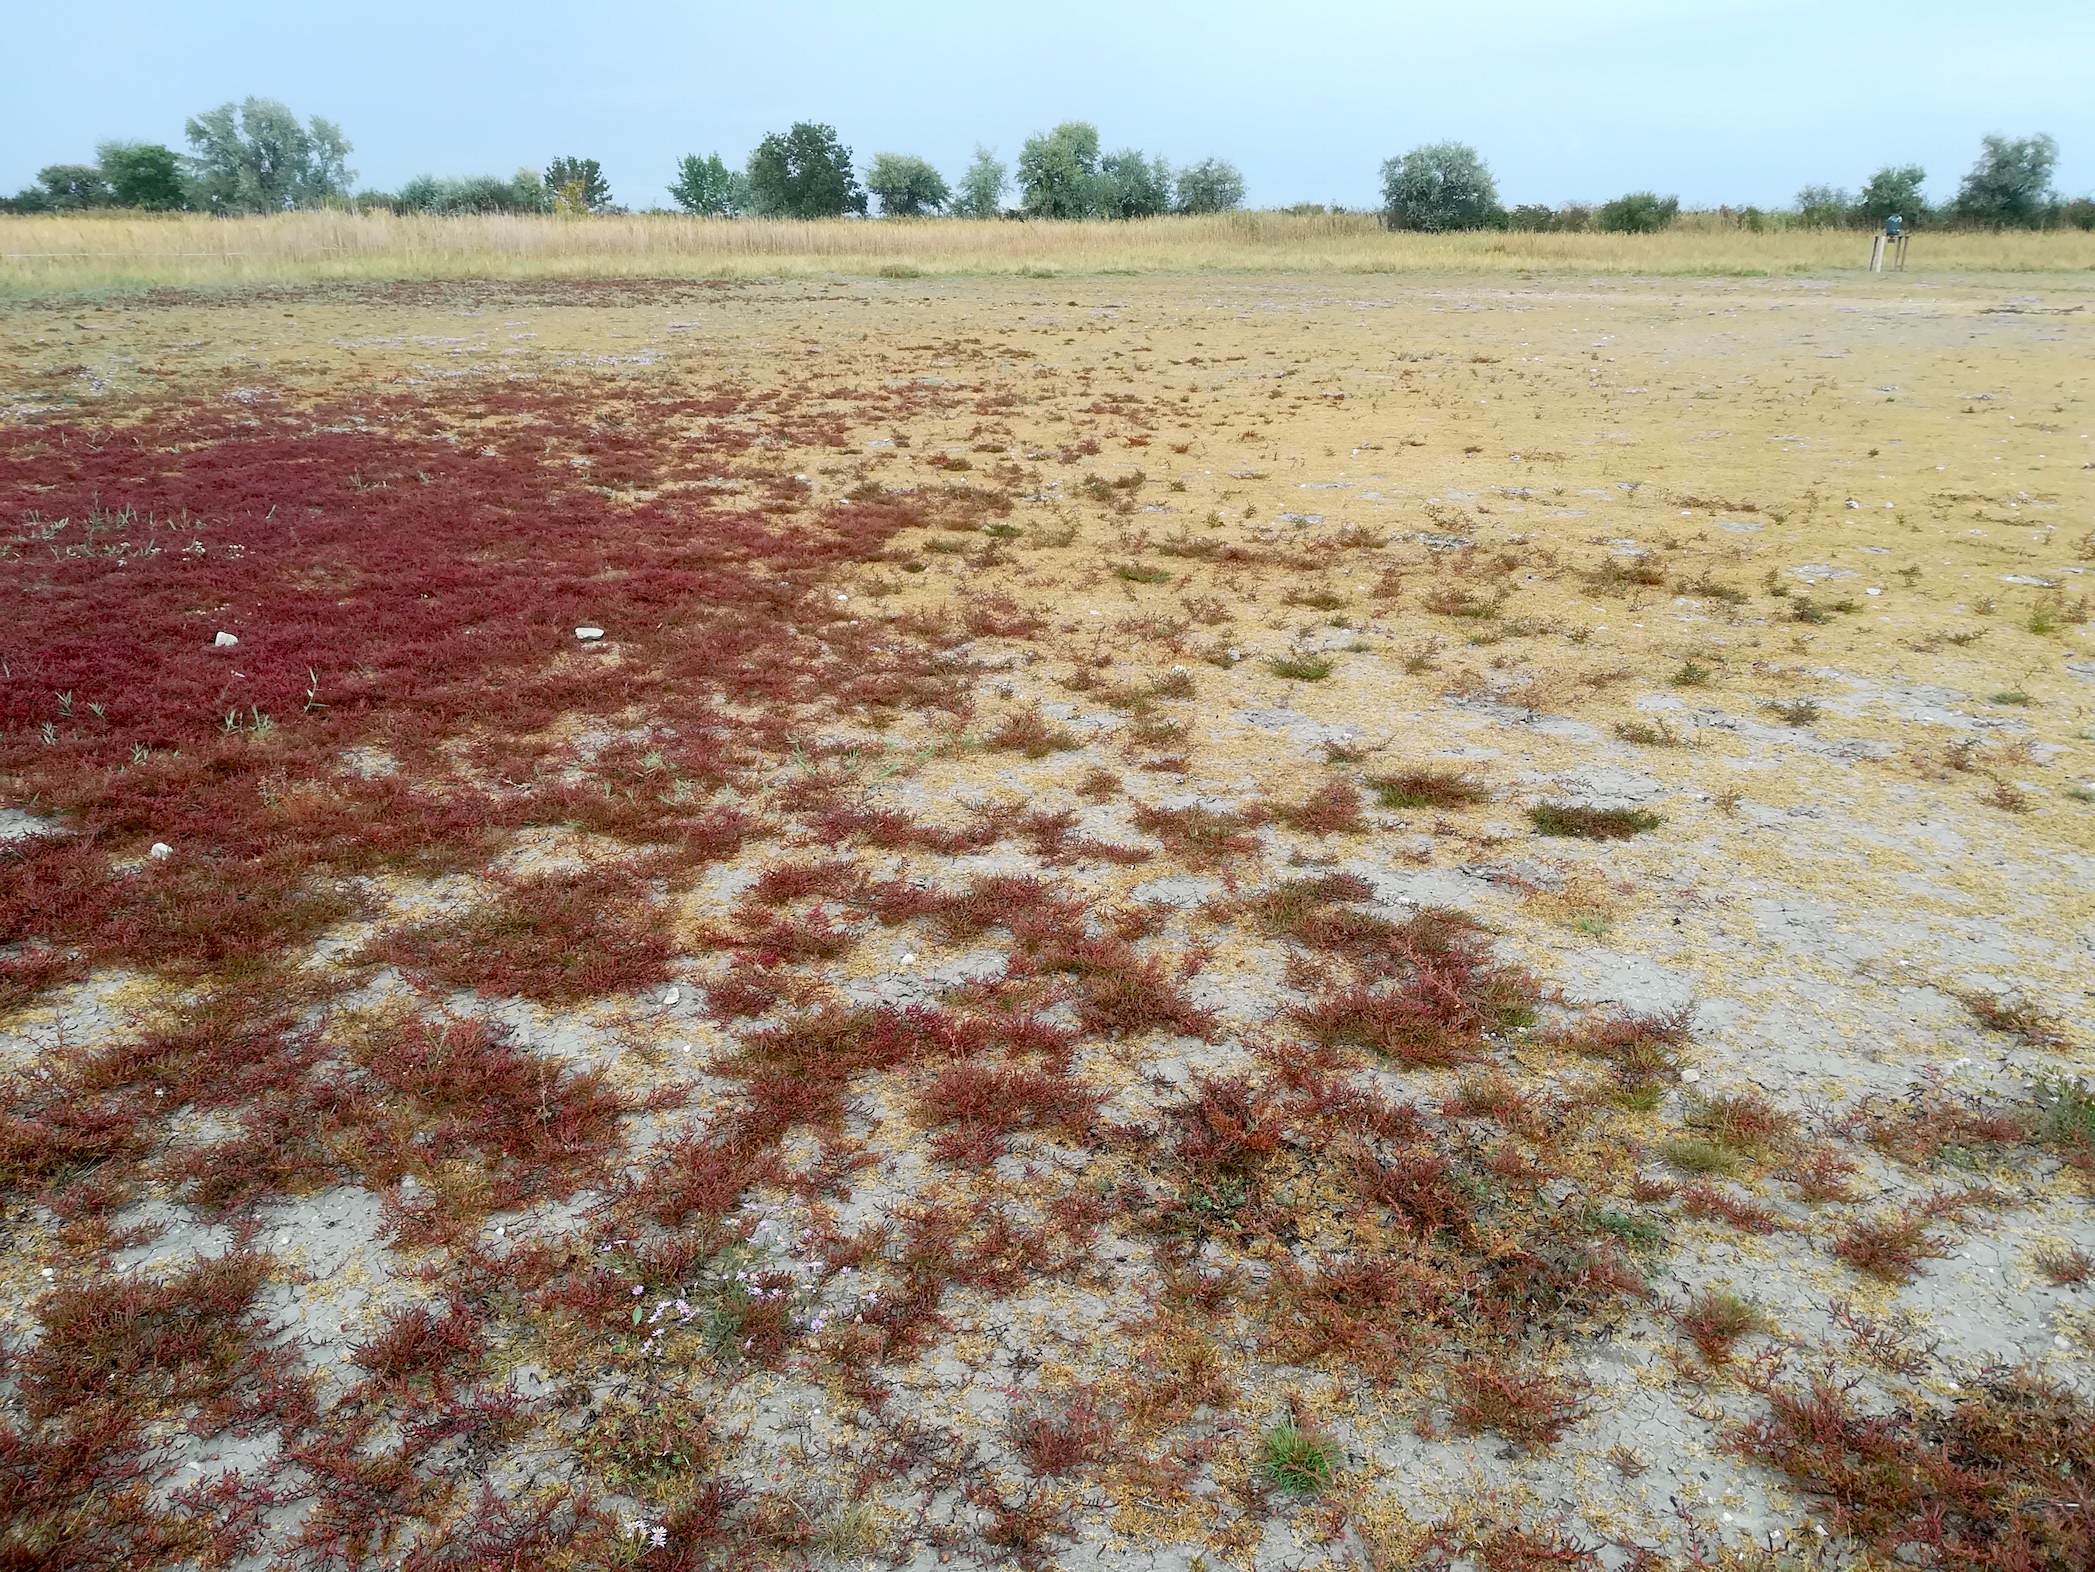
<point x="1281" y="920"/>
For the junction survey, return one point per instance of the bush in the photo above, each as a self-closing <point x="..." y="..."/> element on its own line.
<point x="254" y="157"/>
<point x="523" y="192"/>
<point x="706" y="185"/>
<point x="1823" y="207"/>
<point x="1537" y="217"/>
<point x="1213" y="185"/>
<point x="982" y="188"/>
<point x="1639" y="213"/>
<point x="908" y="187"/>
<point x="1441" y="186"/>
<point x="1058" y="171"/>
<point x="578" y="185"/>
<point x="1131" y="186"/>
<point x="804" y="172"/>
<point x="2010" y="186"/>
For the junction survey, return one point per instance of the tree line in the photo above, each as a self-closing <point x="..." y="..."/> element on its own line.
<point x="1448" y="186"/>
<point x="258" y="157"/>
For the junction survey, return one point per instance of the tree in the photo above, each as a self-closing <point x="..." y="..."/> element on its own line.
<point x="2010" y="186"/>
<point x="982" y="187"/>
<point x="1443" y="185"/>
<point x="1639" y="213"/>
<point x="142" y="174"/>
<point x="577" y="185"/>
<point x="1131" y="186"/>
<point x="1893" y="189"/>
<point x="908" y="187"/>
<point x="804" y="173"/>
<point x="1213" y="185"/>
<point x="706" y="185"/>
<point x="1057" y="172"/>
<point x="70" y="187"/>
<point x="255" y="157"/>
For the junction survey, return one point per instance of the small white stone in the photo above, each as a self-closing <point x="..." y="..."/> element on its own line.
<point x="223" y="640"/>
<point x="589" y="635"/>
<point x="160" y="851"/>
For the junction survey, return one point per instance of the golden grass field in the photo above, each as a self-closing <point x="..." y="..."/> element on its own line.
<point x="90" y="253"/>
<point x="1226" y="625"/>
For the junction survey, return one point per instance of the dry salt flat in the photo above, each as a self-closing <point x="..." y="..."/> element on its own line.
<point x="1175" y="920"/>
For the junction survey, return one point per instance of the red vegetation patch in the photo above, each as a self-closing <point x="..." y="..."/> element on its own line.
<point x="1530" y="1408"/>
<point x="419" y="1099"/>
<point x="1425" y="992"/>
<point x="1062" y="1432"/>
<point x="394" y="590"/>
<point x="1332" y="809"/>
<point x="2004" y="1479"/>
<point x="117" y="1356"/>
<point x="560" y="937"/>
<point x="975" y="1107"/>
<point x="1201" y="837"/>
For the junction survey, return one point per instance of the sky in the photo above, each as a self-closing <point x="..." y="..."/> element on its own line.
<point x="1715" y="101"/>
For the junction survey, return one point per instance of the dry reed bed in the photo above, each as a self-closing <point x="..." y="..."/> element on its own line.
<point x="95" y="252"/>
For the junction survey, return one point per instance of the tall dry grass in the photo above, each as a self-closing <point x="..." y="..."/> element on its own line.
<point x="88" y="252"/>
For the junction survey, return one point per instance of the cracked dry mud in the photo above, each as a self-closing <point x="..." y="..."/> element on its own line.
<point x="1025" y="963"/>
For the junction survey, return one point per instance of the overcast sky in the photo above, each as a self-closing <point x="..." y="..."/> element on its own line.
<point x="1715" y="100"/>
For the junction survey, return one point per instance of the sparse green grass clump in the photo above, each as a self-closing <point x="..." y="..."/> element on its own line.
<point x="1299" y="666"/>
<point x="1795" y="712"/>
<point x="1647" y="735"/>
<point x="1297" y="1461"/>
<point x="1693" y="1154"/>
<point x="1592" y="824"/>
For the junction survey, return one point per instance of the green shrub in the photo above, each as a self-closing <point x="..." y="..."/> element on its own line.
<point x="2010" y="185"/>
<point x="577" y="185"/>
<point x="981" y="193"/>
<point x="708" y="186"/>
<point x="1639" y="213"/>
<point x="1440" y="186"/>
<point x="1058" y="172"/>
<point x="522" y="193"/>
<point x="804" y="172"/>
<point x="1132" y="186"/>
<point x="907" y="186"/>
<point x="1214" y="185"/>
